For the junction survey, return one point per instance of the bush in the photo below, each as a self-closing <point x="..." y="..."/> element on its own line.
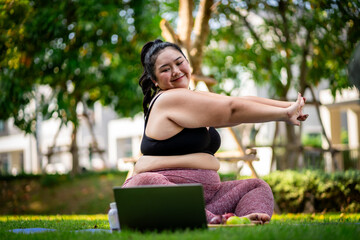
<point x="313" y="140"/>
<point x="87" y="193"/>
<point x="316" y="191"/>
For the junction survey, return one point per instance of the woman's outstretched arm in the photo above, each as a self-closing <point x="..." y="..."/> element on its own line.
<point x="270" y="102"/>
<point x="266" y="101"/>
<point x="190" y="109"/>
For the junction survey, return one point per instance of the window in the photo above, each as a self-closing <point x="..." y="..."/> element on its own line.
<point x="4" y="164"/>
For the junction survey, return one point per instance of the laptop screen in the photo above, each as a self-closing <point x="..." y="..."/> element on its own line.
<point x="161" y="207"/>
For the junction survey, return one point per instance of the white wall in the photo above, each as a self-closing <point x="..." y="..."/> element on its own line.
<point x="121" y="129"/>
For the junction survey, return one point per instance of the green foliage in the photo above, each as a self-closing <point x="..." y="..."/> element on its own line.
<point x="267" y="40"/>
<point x="339" y="191"/>
<point x="313" y="140"/>
<point x="227" y="176"/>
<point x="81" y="51"/>
<point x="91" y="192"/>
<point x="51" y="180"/>
<point x="87" y="193"/>
<point x="344" y="137"/>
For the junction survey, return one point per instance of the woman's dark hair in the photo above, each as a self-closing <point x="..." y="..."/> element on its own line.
<point x="149" y="54"/>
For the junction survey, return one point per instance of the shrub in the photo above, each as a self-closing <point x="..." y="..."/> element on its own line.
<point x="312" y="139"/>
<point x="316" y="191"/>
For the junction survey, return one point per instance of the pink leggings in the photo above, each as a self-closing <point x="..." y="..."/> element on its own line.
<point x="241" y="197"/>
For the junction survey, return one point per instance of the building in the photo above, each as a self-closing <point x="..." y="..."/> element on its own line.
<point x="118" y="139"/>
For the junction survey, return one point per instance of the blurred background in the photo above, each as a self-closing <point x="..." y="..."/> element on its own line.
<point x="71" y="105"/>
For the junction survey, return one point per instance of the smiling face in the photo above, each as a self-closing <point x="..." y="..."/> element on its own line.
<point x="172" y="70"/>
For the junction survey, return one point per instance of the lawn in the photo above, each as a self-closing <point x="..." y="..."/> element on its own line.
<point x="287" y="226"/>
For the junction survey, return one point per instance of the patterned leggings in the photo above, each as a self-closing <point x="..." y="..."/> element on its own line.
<point x="241" y="197"/>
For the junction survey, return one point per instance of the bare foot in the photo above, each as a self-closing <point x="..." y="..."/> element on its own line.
<point x="258" y="218"/>
<point x="221" y="219"/>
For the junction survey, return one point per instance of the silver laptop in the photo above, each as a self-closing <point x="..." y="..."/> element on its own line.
<point x="161" y="207"/>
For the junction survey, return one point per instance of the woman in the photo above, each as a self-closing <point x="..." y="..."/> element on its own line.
<point x="180" y="139"/>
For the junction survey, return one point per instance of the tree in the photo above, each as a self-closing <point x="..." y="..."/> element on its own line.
<point x="293" y="45"/>
<point x="88" y="51"/>
<point x="85" y="51"/>
<point x="191" y="35"/>
<point x="285" y="44"/>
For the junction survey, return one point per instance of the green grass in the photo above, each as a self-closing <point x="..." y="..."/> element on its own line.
<point x="289" y="226"/>
<point x="50" y="201"/>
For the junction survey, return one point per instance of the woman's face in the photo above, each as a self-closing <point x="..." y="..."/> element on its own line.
<point x="172" y="70"/>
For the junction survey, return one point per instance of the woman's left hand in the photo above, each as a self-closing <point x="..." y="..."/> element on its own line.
<point x="302" y="116"/>
<point x="294" y="113"/>
<point x="143" y="164"/>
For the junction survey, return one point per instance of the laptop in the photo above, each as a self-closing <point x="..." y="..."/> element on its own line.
<point x="161" y="207"/>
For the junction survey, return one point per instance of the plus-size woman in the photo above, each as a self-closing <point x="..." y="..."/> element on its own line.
<point x="180" y="138"/>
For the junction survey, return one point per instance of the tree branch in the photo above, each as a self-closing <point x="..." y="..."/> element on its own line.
<point x="201" y="31"/>
<point x="207" y="80"/>
<point x="317" y="107"/>
<point x="303" y="66"/>
<point x="90" y="124"/>
<point x="282" y="11"/>
<point x="50" y="150"/>
<point x="186" y="22"/>
<point x="168" y="32"/>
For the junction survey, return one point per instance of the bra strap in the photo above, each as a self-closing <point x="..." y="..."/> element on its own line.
<point x="150" y="107"/>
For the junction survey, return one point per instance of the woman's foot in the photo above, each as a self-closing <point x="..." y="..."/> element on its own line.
<point x="221" y="219"/>
<point x="258" y="218"/>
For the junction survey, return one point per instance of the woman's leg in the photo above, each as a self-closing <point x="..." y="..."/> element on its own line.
<point x="208" y="178"/>
<point x="243" y="197"/>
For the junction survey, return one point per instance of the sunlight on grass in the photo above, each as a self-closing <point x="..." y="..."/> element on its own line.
<point x="290" y="217"/>
<point x="53" y="217"/>
<point x="318" y="217"/>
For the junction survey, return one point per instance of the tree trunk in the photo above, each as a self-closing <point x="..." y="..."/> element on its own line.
<point x="273" y="164"/>
<point x="201" y="31"/>
<point x="332" y="150"/>
<point x="74" y="152"/>
<point x="193" y="48"/>
<point x="50" y="150"/>
<point x="94" y="145"/>
<point x="186" y="22"/>
<point x="292" y="147"/>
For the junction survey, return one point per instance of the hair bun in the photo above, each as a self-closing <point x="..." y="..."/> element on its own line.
<point x="147" y="47"/>
<point x="157" y="41"/>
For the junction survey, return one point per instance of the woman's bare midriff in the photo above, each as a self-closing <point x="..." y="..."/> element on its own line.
<point x="194" y="160"/>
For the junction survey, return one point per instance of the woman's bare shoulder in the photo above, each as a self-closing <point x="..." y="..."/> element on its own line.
<point x="183" y="93"/>
<point x="175" y="95"/>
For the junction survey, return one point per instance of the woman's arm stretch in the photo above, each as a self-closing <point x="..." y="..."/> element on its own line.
<point x="277" y="103"/>
<point x="191" y="109"/>
<point x="194" y="160"/>
<point x="267" y="101"/>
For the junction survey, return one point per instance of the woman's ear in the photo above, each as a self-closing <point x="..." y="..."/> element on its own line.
<point x="155" y="83"/>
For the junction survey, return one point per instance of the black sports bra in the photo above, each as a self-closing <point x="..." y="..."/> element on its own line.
<point x="188" y="140"/>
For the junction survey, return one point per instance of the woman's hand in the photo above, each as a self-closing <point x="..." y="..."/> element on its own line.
<point x="143" y="164"/>
<point x="302" y="116"/>
<point x="294" y="112"/>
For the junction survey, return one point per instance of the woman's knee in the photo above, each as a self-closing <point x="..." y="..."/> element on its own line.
<point x="260" y="183"/>
<point x="147" y="179"/>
